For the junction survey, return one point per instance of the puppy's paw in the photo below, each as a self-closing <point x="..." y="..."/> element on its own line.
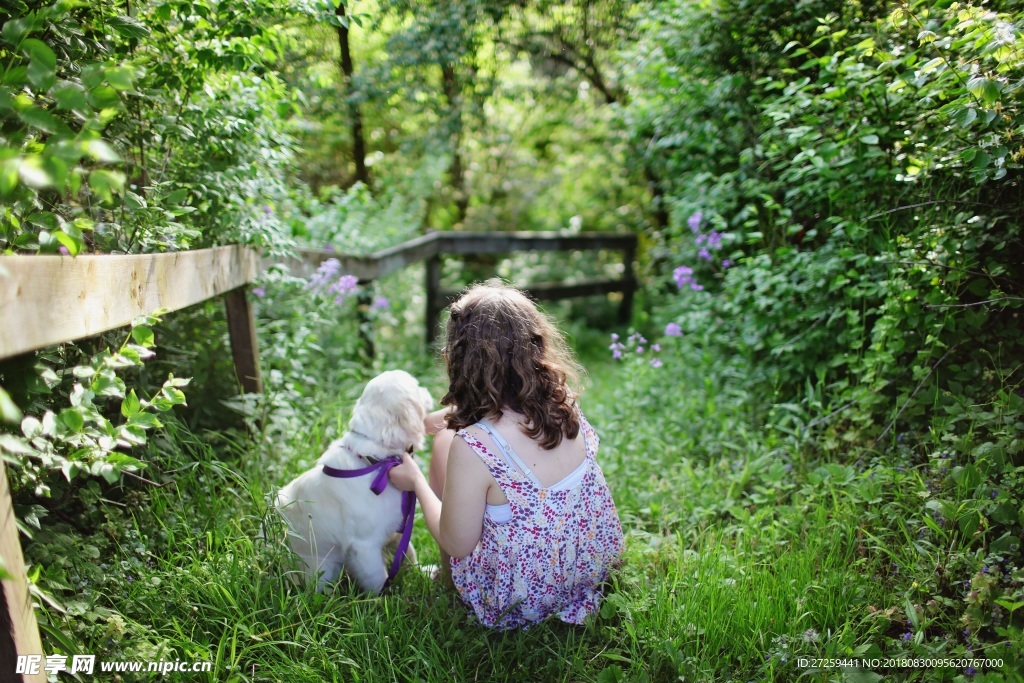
<point x="431" y="571"/>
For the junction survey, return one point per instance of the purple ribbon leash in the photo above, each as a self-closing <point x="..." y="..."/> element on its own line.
<point x="379" y="483"/>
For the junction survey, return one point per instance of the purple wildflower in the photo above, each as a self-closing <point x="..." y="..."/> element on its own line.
<point x="63" y="250"/>
<point x="714" y="240"/>
<point x="970" y="671"/>
<point x="616" y="354"/>
<point x="380" y="303"/>
<point x="673" y="330"/>
<point x="259" y="292"/>
<point x="694" y="221"/>
<point x="655" y="362"/>
<point x="639" y="349"/>
<point x="683" y="275"/>
<point x="727" y="263"/>
<point x="656" y="348"/>
<point x="345" y="285"/>
<point x="907" y="636"/>
<point x="615" y="337"/>
<point x="704" y="254"/>
<point x="327" y="271"/>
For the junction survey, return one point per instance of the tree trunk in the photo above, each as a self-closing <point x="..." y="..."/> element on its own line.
<point x="358" y="141"/>
<point x="659" y="207"/>
<point x="456" y="170"/>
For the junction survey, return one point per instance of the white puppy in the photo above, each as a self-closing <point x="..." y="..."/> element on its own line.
<point x="340" y="524"/>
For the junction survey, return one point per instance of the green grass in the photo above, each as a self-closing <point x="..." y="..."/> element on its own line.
<point x="743" y="554"/>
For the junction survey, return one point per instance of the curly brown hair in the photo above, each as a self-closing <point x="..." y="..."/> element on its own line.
<point x="503" y="353"/>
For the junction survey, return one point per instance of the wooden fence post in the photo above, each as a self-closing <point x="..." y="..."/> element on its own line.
<point x="435" y="302"/>
<point x="364" y="300"/>
<point x="242" y="331"/>
<point x="19" y="633"/>
<point x="626" y="306"/>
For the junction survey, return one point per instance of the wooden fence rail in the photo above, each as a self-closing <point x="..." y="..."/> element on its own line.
<point x="431" y="247"/>
<point x="503" y="243"/>
<point x="48" y="300"/>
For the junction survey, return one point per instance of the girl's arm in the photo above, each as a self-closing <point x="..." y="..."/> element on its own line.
<point x="456" y="524"/>
<point x="465" y="499"/>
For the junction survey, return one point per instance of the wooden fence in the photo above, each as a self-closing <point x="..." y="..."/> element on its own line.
<point x="48" y="300"/>
<point x="432" y="247"/>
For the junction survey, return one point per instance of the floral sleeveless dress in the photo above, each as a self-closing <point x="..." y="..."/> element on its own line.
<point x="553" y="554"/>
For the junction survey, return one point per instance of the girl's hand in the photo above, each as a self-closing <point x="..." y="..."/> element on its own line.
<point x="435" y="421"/>
<point x="404" y="477"/>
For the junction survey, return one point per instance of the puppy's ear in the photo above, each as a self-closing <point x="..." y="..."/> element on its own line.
<point x="426" y="400"/>
<point x="403" y="424"/>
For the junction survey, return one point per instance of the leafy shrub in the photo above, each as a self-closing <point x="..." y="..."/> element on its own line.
<point x="862" y="180"/>
<point x="126" y="132"/>
<point x="83" y="438"/>
<point x="833" y="281"/>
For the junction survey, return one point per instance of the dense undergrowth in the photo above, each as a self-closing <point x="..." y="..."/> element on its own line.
<point x="816" y="453"/>
<point x="748" y="548"/>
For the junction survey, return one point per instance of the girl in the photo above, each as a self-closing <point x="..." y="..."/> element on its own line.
<point x="517" y="502"/>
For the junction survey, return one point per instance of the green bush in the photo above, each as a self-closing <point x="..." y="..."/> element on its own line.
<point x="869" y="228"/>
<point x="154" y="131"/>
<point x="854" y="235"/>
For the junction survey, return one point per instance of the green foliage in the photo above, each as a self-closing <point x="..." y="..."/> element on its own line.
<point x="154" y="131"/>
<point x="870" y="215"/>
<point x="312" y="338"/>
<point x="861" y="186"/>
<point x="513" y="139"/>
<point x="40" y="151"/>
<point x="86" y="438"/>
<point x="736" y="497"/>
<point x="741" y="557"/>
<point x="357" y="221"/>
<point x="827" y="464"/>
